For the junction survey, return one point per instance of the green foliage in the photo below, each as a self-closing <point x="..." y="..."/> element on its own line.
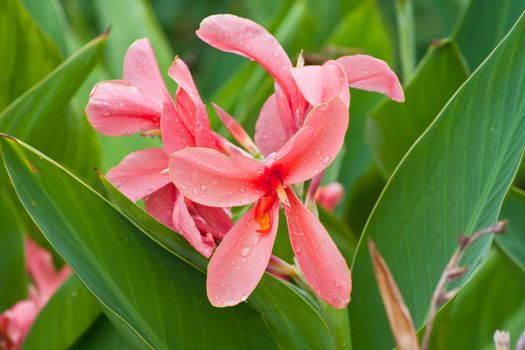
<point x="470" y="321"/>
<point x="452" y="181"/>
<point x="393" y="127"/>
<point x="12" y="266"/>
<point x="513" y="242"/>
<point x="416" y="174"/>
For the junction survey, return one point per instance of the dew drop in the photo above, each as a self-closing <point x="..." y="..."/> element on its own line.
<point x="246" y="250"/>
<point x="195" y="191"/>
<point x="326" y="159"/>
<point x="203" y="187"/>
<point x="243" y="260"/>
<point x="299" y="233"/>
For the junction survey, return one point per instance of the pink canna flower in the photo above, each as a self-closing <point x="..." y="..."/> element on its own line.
<point x="16" y="322"/>
<point x="141" y="103"/>
<point x="297" y="89"/>
<point x="212" y="178"/>
<point x="329" y="196"/>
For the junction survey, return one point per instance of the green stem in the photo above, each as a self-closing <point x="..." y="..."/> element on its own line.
<point x="407" y="37"/>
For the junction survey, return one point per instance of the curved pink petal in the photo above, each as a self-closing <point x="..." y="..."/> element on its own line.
<point x="330" y="196"/>
<point x="215" y="220"/>
<point x="372" y="74"/>
<point x="160" y="203"/>
<point x="42" y="270"/>
<point x="315" y="145"/>
<point x="239" y="262"/>
<point x="117" y="108"/>
<point x="175" y="135"/>
<point x="15" y="324"/>
<point x="236" y="130"/>
<point x="185" y="225"/>
<point x="319" y="84"/>
<point x="190" y="107"/>
<point x="321" y="262"/>
<point x="141" y="70"/>
<point x="246" y="38"/>
<point x="140" y="173"/>
<point x="211" y="178"/>
<point x="270" y="134"/>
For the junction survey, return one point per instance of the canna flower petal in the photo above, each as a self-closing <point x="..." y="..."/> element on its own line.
<point x="239" y="262"/>
<point x="40" y="266"/>
<point x="125" y="107"/>
<point x="318" y="84"/>
<point x="322" y="264"/>
<point x="241" y="36"/>
<point x="117" y="108"/>
<point x="217" y="221"/>
<point x="160" y="204"/>
<point x="184" y="224"/>
<point x="140" y="173"/>
<point x="175" y="134"/>
<point x="330" y="196"/>
<point x="190" y="107"/>
<point x="141" y="70"/>
<point x="211" y="178"/>
<point x="315" y="145"/>
<point x="270" y="134"/>
<point x="237" y="131"/>
<point x="372" y="74"/>
<point x="16" y="322"/>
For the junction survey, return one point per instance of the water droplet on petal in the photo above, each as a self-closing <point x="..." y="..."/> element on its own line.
<point x="246" y="250"/>
<point x="299" y="233"/>
<point x="203" y="187"/>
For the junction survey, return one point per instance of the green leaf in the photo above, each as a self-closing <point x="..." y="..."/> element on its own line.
<point x="513" y="241"/>
<point x="101" y="335"/>
<point x="51" y="18"/>
<point x="393" y="127"/>
<point x="27" y="53"/>
<point x="492" y="300"/>
<point x="483" y="25"/>
<point x="12" y="265"/>
<point x="42" y="118"/>
<point x="293" y="321"/>
<point x="66" y="316"/>
<point x="452" y="181"/>
<point x="153" y="296"/>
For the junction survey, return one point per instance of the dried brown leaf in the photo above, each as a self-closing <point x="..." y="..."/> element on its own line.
<point x="398" y="315"/>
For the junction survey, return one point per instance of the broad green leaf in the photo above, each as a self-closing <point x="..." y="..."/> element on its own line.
<point x="452" y="181"/>
<point x="66" y="316"/>
<point x="492" y="300"/>
<point x="148" y="292"/>
<point x="12" y="265"/>
<point x="27" y="53"/>
<point x="393" y="127"/>
<point x="513" y="242"/>
<point x="51" y="18"/>
<point x="293" y="321"/>
<point x="483" y="25"/>
<point x="101" y="335"/>
<point x="42" y="118"/>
